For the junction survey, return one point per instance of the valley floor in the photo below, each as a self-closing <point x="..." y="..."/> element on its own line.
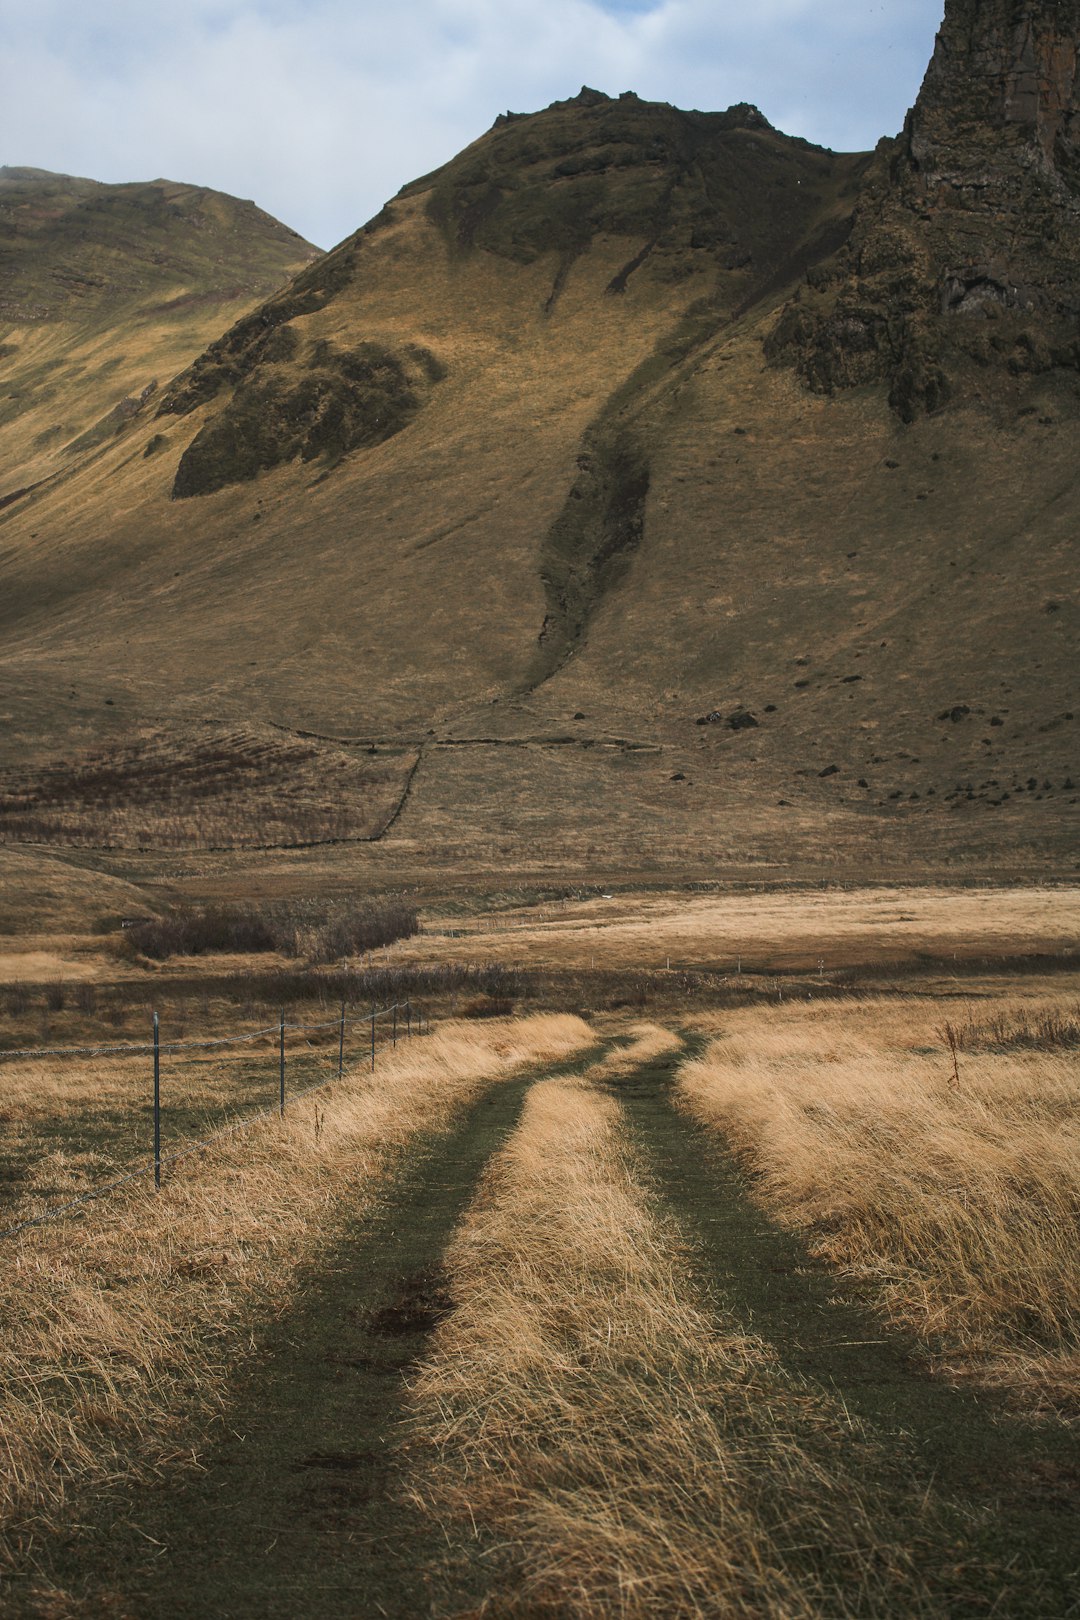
<point x="749" y="1288"/>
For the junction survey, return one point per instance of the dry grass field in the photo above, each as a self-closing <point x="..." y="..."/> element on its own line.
<point x="714" y="1254"/>
<point x="121" y="1330"/>
<point x="950" y="1192"/>
<point x="628" y="1450"/>
<point x="217" y="789"/>
<point x="762" y="930"/>
<point x="767" y="1307"/>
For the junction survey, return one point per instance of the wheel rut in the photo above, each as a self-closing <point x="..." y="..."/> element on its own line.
<point x="299" y="1508"/>
<point x="1010" y="1487"/>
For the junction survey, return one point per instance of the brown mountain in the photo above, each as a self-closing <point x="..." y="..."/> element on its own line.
<point x="105" y="291"/>
<point x="655" y="494"/>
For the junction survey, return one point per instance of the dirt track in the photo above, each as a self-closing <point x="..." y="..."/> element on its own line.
<point x="301" y="1502"/>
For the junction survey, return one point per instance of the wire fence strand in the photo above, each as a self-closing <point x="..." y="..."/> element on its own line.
<point x="198" y="1144"/>
<point x="141" y="1048"/>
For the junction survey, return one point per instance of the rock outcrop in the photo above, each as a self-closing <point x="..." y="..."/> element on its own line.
<point x="963" y="266"/>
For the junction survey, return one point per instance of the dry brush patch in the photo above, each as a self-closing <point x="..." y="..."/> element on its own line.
<point x="619" y="1449"/>
<point x="244" y="789"/>
<point x="951" y="1193"/>
<point x="120" y="1332"/>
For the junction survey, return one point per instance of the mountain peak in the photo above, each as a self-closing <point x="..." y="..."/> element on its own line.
<point x="1002" y="72"/>
<point x="962" y="272"/>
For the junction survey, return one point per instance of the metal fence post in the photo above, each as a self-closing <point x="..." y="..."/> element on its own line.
<point x="394" y="1032"/>
<point x="408" y="1020"/>
<point x="281" y="1064"/>
<point x="157" y="1102"/>
<point x="341" y="1043"/>
<point x="373" y="1040"/>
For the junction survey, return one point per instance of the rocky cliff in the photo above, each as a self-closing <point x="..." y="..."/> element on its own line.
<point x="962" y="272"/>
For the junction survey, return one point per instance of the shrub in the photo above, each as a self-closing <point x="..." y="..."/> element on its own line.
<point x="352" y="930"/>
<point x="200" y="930"/>
<point x="488" y="1007"/>
<point x="86" y="997"/>
<point x="319" y="936"/>
<point x="18" y="999"/>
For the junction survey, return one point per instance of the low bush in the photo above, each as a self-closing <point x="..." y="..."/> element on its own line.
<point x="487" y="1007"/>
<point x="351" y="930"/>
<point x="319" y="936"/>
<point x="1042" y="1031"/>
<point x="200" y="930"/>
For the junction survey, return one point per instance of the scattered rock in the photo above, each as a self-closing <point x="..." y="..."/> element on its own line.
<point x="955" y="714"/>
<point x="742" y="720"/>
<point x="830" y="770"/>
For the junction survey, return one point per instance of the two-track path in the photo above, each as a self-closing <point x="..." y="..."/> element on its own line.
<point x="299" y="1508"/>
<point x="296" y="1512"/>
<point x="1008" y="1490"/>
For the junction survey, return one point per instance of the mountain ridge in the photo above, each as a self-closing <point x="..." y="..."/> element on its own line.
<point x="832" y="612"/>
<point x="105" y="291"/>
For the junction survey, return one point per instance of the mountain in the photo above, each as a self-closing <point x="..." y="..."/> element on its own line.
<point x="651" y="494"/>
<point x="105" y="293"/>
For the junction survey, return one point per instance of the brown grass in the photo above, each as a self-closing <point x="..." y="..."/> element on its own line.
<point x="121" y="1328"/>
<point x="952" y="1195"/>
<point x="736" y="933"/>
<point x="243" y="789"/>
<point x="621" y="1450"/>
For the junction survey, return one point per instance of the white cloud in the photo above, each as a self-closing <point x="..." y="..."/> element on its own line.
<point x="321" y="109"/>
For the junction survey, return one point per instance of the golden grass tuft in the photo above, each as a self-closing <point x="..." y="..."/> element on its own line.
<point x="122" y="1327"/>
<point x="628" y="1453"/>
<point x="952" y="1195"/>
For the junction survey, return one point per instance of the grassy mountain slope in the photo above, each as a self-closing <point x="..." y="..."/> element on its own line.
<point x="532" y="475"/>
<point x="105" y="292"/>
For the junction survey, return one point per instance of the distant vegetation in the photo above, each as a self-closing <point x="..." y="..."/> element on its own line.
<point x="346" y="930"/>
<point x="222" y="789"/>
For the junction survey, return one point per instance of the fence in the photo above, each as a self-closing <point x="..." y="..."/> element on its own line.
<point x="405" y="1021"/>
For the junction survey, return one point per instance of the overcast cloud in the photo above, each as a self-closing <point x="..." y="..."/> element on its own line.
<point x="321" y="109"/>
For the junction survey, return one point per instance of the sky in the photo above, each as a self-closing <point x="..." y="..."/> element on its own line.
<point x="320" y="110"/>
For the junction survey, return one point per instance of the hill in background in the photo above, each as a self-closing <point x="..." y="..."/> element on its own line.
<point x="105" y="292"/>
<point x="657" y="494"/>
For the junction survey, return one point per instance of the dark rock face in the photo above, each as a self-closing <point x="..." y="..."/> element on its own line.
<point x="965" y="253"/>
<point x="330" y="404"/>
